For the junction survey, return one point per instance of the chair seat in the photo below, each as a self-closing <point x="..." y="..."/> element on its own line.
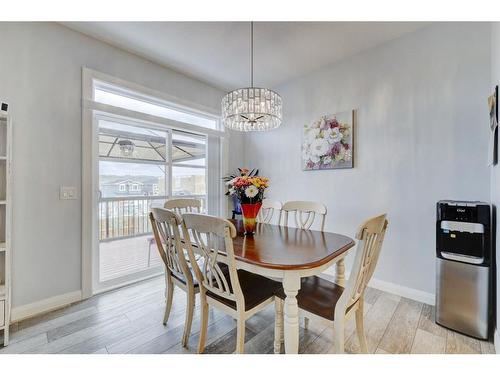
<point x="317" y="296"/>
<point x="256" y="289"/>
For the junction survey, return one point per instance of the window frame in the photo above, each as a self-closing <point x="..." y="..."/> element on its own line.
<point x="216" y="158"/>
<point x="152" y="100"/>
<point x="133" y="90"/>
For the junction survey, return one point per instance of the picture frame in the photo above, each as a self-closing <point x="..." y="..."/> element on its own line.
<point x="328" y="142"/>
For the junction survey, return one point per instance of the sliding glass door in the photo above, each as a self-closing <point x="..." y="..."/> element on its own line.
<point x="140" y="166"/>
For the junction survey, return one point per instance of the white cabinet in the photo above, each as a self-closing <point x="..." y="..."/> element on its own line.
<point x="2" y="313"/>
<point x="5" y="224"/>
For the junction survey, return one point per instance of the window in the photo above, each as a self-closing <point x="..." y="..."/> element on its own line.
<point x="133" y="156"/>
<point x="188" y="165"/>
<point x="117" y="97"/>
<point x="137" y="158"/>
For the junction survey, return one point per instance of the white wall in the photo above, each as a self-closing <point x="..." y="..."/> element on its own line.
<point x="421" y="136"/>
<point x="495" y="171"/>
<point x="40" y="77"/>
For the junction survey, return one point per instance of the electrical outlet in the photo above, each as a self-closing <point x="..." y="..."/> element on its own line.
<point x="68" y="193"/>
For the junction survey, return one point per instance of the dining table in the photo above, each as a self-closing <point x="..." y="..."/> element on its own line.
<point x="288" y="254"/>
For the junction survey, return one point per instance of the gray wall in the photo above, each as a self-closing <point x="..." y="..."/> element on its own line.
<point x="495" y="171"/>
<point x="421" y="136"/>
<point x="40" y="77"/>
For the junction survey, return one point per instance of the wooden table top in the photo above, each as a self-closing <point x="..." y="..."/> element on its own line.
<point x="288" y="248"/>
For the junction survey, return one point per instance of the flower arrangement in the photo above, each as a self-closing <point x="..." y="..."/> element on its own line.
<point x="248" y="187"/>
<point x="328" y="143"/>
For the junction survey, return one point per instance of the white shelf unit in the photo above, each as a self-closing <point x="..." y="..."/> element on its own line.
<point x="5" y="224"/>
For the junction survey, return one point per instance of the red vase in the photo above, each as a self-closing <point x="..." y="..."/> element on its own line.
<point x="249" y="212"/>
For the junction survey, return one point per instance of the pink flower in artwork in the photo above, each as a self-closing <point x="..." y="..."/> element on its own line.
<point x="334" y="123"/>
<point x="335" y="150"/>
<point x="325" y="125"/>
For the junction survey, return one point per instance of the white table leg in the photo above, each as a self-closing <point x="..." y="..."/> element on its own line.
<point x="291" y="286"/>
<point x="340" y="273"/>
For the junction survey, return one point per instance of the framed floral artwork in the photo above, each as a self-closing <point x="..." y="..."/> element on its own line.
<point x="328" y="142"/>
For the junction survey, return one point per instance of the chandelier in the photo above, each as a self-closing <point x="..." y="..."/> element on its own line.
<point x="252" y="108"/>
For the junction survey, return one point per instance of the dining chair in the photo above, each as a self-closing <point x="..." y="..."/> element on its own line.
<point x="183" y="205"/>
<point x="179" y="206"/>
<point x="267" y="211"/>
<point x="305" y="213"/>
<point x="166" y="231"/>
<point x="333" y="304"/>
<point x="239" y="293"/>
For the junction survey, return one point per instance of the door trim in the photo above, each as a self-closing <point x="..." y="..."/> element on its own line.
<point x="90" y="170"/>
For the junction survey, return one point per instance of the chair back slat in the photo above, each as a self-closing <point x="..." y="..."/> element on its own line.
<point x="371" y="236"/>
<point x="305" y="213"/>
<point x="267" y="211"/>
<point x="165" y="224"/>
<point x="303" y="219"/>
<point x="212" y="238"/>
<point x="183" y="205"/>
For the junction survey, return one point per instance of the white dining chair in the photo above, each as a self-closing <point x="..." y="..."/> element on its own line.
<point x="305" y="212"/>
<point x="268" y="210"/>
<point x="166" y="231"/>
<point x="183" y="205"/>
<point x="179" y="206"/>
<point x="239" y="293"/>
<point x="333" y="304"/>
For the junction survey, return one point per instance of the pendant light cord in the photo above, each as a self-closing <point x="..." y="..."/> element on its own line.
<point x="251" y="53"/>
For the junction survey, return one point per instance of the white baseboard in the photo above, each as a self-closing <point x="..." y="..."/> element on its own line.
<point x="496" y="341"/>
<point x="403" y="291"/>
<point x="45" y="305"/>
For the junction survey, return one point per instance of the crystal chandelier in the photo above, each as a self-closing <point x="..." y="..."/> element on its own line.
<point x="252" y="108"/>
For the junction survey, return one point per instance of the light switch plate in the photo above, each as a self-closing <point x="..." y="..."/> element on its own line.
<point x="68" y="193"/>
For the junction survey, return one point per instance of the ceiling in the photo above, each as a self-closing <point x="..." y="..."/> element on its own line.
<point x="219" y="52"/>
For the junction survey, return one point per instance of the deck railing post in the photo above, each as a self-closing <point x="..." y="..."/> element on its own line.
<point x="107" y="220"/>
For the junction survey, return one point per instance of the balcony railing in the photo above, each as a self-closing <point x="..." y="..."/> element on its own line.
<point x="122" y="217"/>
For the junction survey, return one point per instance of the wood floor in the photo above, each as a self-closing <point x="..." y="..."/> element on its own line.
<point x="128" y="320"/>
